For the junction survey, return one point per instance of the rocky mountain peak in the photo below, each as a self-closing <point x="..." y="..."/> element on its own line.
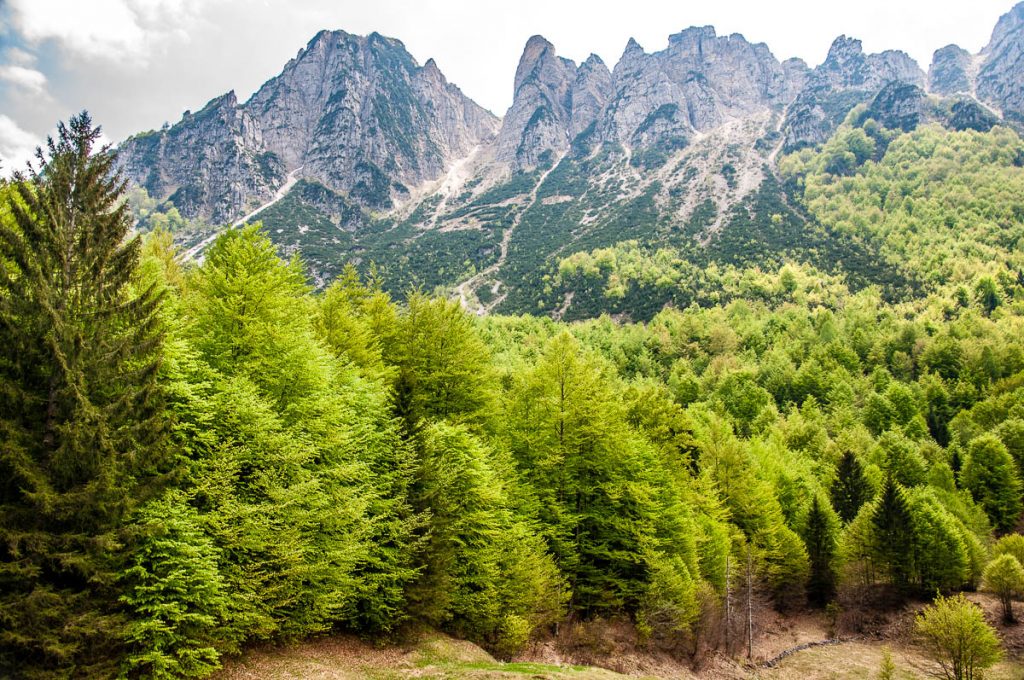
<point x="950" y="71"/>
<point x="430" y="71"/>
<point x="593" y="62"/>
<point x="692" y="38"/>
<point x="1001" y="77"/>
<point x="541" y="113"/>
<point x="357" y="114"/>
<point x="630" y="55"/>
<point x="843" y="50"/>
<point x="846" y="78"/>
<point x="590" y="92"/>
<point x="1008" y="25"/>
<point x="538" y="54"/>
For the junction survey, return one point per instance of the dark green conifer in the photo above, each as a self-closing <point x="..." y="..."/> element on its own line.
<point x="893" y="530"/>
<point x="850" y="490"/>
<point x="81" y="416"/>
<point x="821" y="539"/>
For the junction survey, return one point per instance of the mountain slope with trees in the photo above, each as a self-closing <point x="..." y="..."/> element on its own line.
<point x="201" y="457"/>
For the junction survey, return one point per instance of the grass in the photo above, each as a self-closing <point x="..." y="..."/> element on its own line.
<point x="861" y="661"/>
<point x="432" y="656"/>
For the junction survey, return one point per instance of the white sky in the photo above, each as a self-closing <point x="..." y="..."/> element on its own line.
<point x="137" y="63"/>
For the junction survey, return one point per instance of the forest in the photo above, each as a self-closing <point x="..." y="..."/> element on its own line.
<point x="199" y="457"/>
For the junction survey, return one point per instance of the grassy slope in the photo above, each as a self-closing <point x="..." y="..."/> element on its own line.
<point x="434" y="655"/>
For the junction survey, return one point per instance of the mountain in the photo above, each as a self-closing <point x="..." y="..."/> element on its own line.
<point x="357" y="113"/>
<point x="391" y="164"/>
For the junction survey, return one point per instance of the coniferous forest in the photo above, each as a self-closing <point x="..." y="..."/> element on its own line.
<point x="198" y="457"/>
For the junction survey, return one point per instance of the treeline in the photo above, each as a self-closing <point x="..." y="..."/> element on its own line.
<point x="931" y="211"/>
<point x="195" y="458"/>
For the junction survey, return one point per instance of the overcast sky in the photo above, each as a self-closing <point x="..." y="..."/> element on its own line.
<point x="135" y="64"/>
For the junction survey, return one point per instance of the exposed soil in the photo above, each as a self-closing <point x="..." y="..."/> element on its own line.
<point x="612" y="649"/>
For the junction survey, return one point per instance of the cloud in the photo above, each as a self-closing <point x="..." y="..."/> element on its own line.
<point x="99" y="28"/>
<point x="19" y="57"/>
<point x="125" y="31"/>
<point x="28" y="79"/>
<point x="16" y="145"/>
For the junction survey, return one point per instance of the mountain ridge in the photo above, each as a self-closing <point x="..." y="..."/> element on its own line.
<point x="664" y="145"/>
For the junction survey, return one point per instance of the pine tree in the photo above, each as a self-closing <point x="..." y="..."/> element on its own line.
<point x="850" y="490"/>
<point x="821" y="538"/>
<point x="80" y="409"/>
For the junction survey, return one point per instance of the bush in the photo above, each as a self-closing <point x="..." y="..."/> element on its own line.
<point x="1004" y="577"/>
<point x="956" y="635"/>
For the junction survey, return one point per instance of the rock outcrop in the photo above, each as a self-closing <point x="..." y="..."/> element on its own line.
<point x="542" y="106"/>
<point x="699" y="82"/>
<point x="846" y="78"/>
<point x="1001" y="76"/>
<point x="950" y="72"/>
<point x="357" y="114"/>
<point x="899" y="106"/>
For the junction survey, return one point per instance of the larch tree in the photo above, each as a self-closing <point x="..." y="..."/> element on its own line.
<point x="956" y="635"/>
<point x="1004" y="578"/>
<point x="990" y="473"/>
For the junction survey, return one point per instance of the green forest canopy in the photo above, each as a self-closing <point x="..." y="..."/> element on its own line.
<point x="201" y="457"/>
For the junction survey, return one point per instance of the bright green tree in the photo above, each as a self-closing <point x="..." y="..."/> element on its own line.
<point x="957" y="637"/>
<point x="990" y="474"/>
<point x="174" y="592"/>
<point x="1011" y="544"/>
<point x="1004" y="578"/>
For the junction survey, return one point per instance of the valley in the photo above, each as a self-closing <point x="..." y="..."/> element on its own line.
<point x="705" y="363"/>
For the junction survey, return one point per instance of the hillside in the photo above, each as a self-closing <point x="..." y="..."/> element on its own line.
<point x="684" y="149"/>
<point x="705" y="365"/>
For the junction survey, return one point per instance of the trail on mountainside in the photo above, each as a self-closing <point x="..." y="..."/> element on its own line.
<point x="466" y="287"/>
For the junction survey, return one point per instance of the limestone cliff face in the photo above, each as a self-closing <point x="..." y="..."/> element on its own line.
<point x="357" y="114"/>
<point x="950" y="72"/>
<point x="542" y="111"/>
<point x="360" y="117"/>
<point x="589" y="95"/>
<point x="1001" y="76"/>
<point x="699" y="82"/>
<point x="846" y="78"/>
<point x="211" y="163"/>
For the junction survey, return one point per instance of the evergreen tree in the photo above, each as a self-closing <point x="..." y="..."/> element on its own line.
<point x="821" y="538"/>
<point x="81" y="416"/>
<point x="893" y="534"/>
<point x="851" y="489"/>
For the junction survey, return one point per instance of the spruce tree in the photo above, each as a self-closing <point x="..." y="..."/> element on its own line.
<point x="821" y="538"/>
<point x="893" y="534"/>
<point x="80" y="410"/>
<point x="850" y="490"/>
